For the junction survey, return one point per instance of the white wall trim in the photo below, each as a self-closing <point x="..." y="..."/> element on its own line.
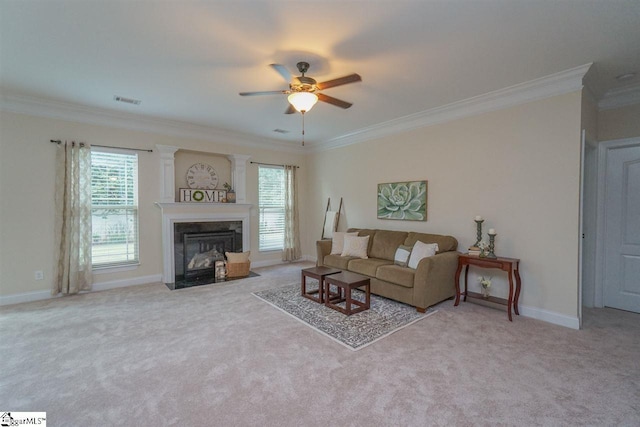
<point x="271" y="262"/>
<point x="555" y="84"/>
<point x="26" y="297"/>
<point x="544" y="87"/>
<point x="618" y="98"/>
<point x="96" y="287"/>
<point x="42" y="107"/>
<point x="113" y="284"/>
<point x="550" y="316"/>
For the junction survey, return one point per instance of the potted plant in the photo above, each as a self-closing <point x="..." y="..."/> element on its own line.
<point x="486" y="285"/>
<point x="231" y="195"/>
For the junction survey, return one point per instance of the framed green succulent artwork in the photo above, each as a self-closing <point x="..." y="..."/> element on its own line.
<point x="403" y="200"/>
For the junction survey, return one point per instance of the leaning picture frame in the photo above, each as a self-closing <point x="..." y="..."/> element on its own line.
<point x="403" y="201"/>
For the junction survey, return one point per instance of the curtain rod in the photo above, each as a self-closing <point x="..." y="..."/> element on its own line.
<point x="270" y="164"/>
<point x="57" y="141"/>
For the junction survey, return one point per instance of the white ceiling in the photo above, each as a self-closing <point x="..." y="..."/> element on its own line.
<point x="187" y="60"/>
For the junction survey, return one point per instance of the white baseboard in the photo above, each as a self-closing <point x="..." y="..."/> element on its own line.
<point x="269" y="263"/>
<point x="550" y="317"/>
<point x="112" y="284"/>
<point x="100" y="286"/>
<point x="26" y="297"/>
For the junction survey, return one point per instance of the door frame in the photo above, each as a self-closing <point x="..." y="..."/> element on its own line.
<point x="603" y="150"/>
<point x="583" y="147"/>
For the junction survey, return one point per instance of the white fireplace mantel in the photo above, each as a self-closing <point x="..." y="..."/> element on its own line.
<point x="173" y="213"/>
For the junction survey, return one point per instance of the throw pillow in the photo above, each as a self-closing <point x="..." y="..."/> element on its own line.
<point x="235" y="257"/>
<point x="402" y="255"/>
<point x="337" y="243"/>
<point x="421" y="250"/>
<point x="355" y="246"/>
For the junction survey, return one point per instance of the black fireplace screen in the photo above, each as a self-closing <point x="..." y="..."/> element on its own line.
<point x="202" y="250"/>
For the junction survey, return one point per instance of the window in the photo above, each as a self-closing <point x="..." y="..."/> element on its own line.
<point x="114" y="208"/>
<point x="271" y="207"/>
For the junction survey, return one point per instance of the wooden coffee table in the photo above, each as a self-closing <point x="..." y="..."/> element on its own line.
<point x="346" y="282"/>
<point x="318" y="273"/>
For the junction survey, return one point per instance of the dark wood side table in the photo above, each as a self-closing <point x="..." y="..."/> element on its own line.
<point x="510" y="265"/>
<point x="318" y="273"/>
<point x="348" y="281"/>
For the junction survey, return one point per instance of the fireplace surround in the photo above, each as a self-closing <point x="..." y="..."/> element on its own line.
<point x="199" y="213"/>
<point x="181" y="213"/>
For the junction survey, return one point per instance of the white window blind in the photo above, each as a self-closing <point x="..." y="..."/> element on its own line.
<point x="114" y="208"/>
<point x="271" y="207"/>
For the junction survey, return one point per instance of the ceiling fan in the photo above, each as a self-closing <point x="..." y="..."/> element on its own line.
<point x="304" y="91"/>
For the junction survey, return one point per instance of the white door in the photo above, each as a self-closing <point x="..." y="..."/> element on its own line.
<point x="622" y="228"/>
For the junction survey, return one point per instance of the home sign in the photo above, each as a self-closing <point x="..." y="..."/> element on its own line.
<point x="202" y="195"/>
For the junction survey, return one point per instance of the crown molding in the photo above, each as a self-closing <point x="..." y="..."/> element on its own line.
<point x="618" y="98"/>
<point x="544" y="87"/>
<point x="555" y="84"/>
<point x="42" y="107"/>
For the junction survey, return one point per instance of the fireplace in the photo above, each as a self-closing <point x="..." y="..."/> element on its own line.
<point x="180" y="219"/>
<point x="198" y="245"/>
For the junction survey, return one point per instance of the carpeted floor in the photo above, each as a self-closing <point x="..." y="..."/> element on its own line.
<point x="218" y="356"/>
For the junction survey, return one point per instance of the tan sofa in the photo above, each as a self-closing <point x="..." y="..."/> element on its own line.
<point x="431" y="282"/>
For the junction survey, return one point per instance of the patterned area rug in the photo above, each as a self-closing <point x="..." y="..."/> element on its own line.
<point x="356" y="331"/>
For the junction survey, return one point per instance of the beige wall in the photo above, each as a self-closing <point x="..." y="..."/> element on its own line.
<point x="619" y="123"/>
<point x="589" y="116"/>
<point x="519" y="168"/>
<point x="27" y="194"/>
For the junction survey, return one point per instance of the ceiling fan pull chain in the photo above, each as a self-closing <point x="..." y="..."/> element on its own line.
<point x="303" y="128"/>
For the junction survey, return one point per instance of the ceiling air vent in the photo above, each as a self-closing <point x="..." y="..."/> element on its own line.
<point x="280" y="131"/>
<point x="127" y="100"/>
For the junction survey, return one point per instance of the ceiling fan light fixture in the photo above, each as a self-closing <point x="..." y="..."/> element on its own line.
<point x="303" y="101"/>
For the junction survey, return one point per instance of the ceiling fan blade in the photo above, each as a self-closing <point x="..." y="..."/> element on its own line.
<point x="282" y="70"/>
<point x="351" y="78"/>
<point x="290" y="110"/>
<point x="333" y="101"/>
<point x="266" y="92"/>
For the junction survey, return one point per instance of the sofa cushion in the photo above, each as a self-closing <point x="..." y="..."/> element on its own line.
<point x="355" y="246"/>
<point x="337" y="242"/>
<point x="385" y="243"/>
<point x="402" y="276"/>
<point x="337" y="261"/>
<point x="401" y="257"/>
<point x="365" y="232"/>
<point x="368" y="267"/>
<point x="445" y="243"/>
<point x="421" y="250"/>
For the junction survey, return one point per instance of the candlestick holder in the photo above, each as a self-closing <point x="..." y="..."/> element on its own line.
<point x="492" y="238"/>
<point x="478" y="232"/>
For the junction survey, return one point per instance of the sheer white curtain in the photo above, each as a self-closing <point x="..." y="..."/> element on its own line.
<point x="73" y="218"/>
<point x="292" y="249"/>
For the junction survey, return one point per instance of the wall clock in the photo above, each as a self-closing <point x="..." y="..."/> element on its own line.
<point x="202" y="176"/>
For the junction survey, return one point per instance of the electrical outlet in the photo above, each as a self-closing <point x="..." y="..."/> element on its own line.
<point x="38" y="274"/>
